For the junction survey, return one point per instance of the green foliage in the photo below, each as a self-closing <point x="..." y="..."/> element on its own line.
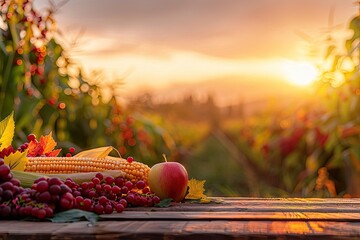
<point x="47" y="92"/>
<point x="311" y="150"/>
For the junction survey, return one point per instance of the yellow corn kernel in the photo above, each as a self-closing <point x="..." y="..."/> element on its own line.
<point x="134" y="171"/>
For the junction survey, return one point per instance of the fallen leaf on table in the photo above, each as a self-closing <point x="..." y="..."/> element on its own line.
<point x="196" y="189"/>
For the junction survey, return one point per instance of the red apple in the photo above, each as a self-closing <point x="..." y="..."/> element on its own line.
<point x="168" y="180"/>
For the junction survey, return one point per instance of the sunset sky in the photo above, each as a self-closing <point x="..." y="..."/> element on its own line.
<point x="203" y="46"/>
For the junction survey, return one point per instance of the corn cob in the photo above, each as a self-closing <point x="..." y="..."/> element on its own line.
<point x="133" y="171"/>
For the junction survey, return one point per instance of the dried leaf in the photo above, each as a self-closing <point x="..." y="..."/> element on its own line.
<point x="35" y="149"/>
<point x="45" y="147"/>
<point x="53" y="153"/>
<point x="100" y="152"/>
<point x="205" y="200"/>
<point x="16" y="161"/>
<point x="196" y="189"/>
<point x="7" y="129"/>
<point x="49" y="143"/>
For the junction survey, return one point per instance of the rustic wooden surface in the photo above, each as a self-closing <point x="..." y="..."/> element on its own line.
<point x="234" y="218"/>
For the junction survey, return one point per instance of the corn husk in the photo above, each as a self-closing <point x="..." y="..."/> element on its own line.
<point x="27" y="178"/>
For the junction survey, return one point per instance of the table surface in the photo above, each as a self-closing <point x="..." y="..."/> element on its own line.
<point x="232" y="218"/>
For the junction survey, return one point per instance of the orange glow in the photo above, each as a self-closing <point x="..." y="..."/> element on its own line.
<point x="300" y="73"/>
<point x="62" y="106"/>
<point x="159" y="52"/>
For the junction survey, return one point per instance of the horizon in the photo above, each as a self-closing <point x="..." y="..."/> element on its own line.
<point x="168" y="47"/>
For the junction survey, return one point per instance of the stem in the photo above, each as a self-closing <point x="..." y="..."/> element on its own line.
<point x="164" y="156"/>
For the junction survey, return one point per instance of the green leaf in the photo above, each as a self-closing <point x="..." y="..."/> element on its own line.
<point x="164" y="203"/>
<point x="75" y="215"/>
<point x="7" y="130"/>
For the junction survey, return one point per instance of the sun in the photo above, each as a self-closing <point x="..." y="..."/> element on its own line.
<point x="300" y="73"/>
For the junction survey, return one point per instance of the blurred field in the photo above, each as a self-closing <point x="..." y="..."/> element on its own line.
<point x="290" y="147"/>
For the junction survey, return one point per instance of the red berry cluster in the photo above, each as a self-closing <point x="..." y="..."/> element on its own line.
<point x="105" y="195"/>
<point x="102" y="195"/>
<point x="71" y="152"/>
<point x="6" y="151"/>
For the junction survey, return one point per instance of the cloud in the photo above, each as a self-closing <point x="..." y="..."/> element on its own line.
<point x="224" y="28"/>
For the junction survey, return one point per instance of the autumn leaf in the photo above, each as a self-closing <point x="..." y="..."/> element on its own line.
<point x="35" y="149"/>
<point x="196" y="189"/>
<point x="16" y="161"/>
<point x="100" y="152"/>
<point x="49" y="143"/>
<point x="53" y="153"/>
<point x="7" y="129"/>
<point x="45" y="146"/>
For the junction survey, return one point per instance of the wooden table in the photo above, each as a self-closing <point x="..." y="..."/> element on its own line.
<point x="234" y="218"/>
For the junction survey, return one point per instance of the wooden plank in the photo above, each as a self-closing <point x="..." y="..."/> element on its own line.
<point x="278" y="229"/>
<point x="210" y="229"/>
<point x="267" y="205"/>
<point x="235" y="218"/>
<point x="146" y="215"/>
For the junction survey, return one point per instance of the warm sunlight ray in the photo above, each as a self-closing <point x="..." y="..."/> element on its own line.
<point x="300" y="73"/>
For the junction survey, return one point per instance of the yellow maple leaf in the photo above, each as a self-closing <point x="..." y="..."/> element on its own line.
<point x="100" y="152"/>
<point x="7" y="130"/>
<point x="196" y="189"/>
<point x="16" y="161"/>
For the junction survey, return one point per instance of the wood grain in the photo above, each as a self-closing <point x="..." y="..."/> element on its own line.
<point x="234" y="218"/>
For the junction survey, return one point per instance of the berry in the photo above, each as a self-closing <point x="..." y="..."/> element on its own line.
<point x="44" y="197"/>
<point x="107" y="188"/>
<point x="115" y="190"/>
<point x="100" y="176"/>
<point x="129" y="185"/>
<point x="140" y="184"/>
<point x="31" y="137"/>
<point x="119" y="181"/>
<point x="103" y="200"/>
<point x="123" y="202"/>
<point x="109" y="180"/>
<point x="145" y="190"/>
<point x="108" y="209"/>
<point x="124" y="190"/>
<point x="87" y="203"/>
<point x="95" y="180"/>
<point x="67" y="201"/>
<point x="130" y="159"/>
<point x="42" y="186"/>
<point x="156" y="199"/>
<point x="71" y="150"/>
<point x="119" y="208"/>
<point x="84" y="185"/>
<point x="41" y="213"/>
<point x="98" y="208"/>
<point x="92" y="194"/>
<point x="4" y="170"/>
<point x="54" y="181"/>
<point x="54" y="189"/>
